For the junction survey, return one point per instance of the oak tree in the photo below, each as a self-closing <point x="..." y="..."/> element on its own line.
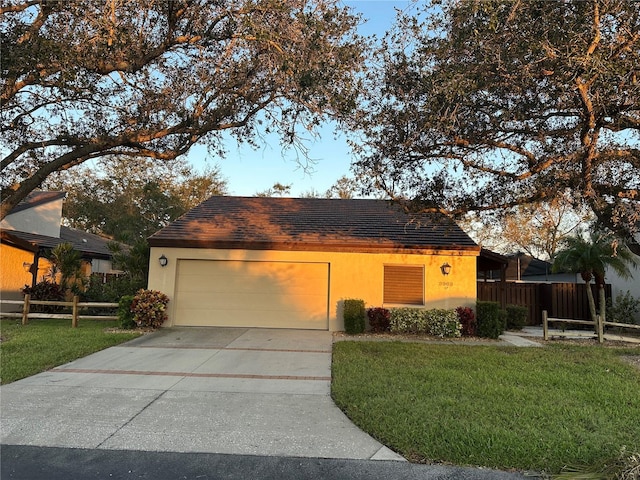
<point x="130" y="200"/>
<point x="486" y="105"/>
<point x="84" y="79"/>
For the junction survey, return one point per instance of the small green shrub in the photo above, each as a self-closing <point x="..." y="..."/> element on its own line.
<point x="379" y="319"/>
<point x="125" y="315"/>
<point x="625" y="309"/>
<point x="149" y="308"/>
<point x="443" y="323"/>
<point x="516" y="317"/>
<point x="491" y="322"/>
<point x="467" y="320"/>
<point x="408" y="320"/>
<point x="354" y="316"/>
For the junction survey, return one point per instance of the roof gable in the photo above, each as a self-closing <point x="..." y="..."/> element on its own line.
<point x="266" y="223"/>
<point x="36" y="198"/>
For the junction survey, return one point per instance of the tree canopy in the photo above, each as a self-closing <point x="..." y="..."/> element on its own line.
<point x="486" y="105"/>
<point x="130" y="200"/>
<point x="150" y="78"/>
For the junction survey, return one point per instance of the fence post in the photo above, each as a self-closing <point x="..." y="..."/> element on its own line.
<point x="25" y="309"/>
<point x="600" y="327"/>
<point x="74" y="314"/>
<point x="545" y="325"/>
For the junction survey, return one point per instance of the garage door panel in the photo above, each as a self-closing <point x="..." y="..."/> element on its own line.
<point x="260" y="294"/>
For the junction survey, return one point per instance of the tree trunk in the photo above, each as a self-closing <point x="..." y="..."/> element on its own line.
<point x="592" y="303"/>
<point x="603" y="302"/>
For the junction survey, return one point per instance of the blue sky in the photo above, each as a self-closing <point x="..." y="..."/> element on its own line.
<point x="248" y="171"/>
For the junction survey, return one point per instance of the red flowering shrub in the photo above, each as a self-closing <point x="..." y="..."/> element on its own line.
<point x="48" y="291"/>
<point x="379" y="319"/>
<point x="467" y="320"/>
<point x="149" y="308"/>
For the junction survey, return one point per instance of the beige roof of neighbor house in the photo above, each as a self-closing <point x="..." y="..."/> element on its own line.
<point x="319" y="224"/>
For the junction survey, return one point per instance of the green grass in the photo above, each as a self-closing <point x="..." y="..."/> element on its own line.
<point x="43" y="344"/>
<point x="507" y="408"/>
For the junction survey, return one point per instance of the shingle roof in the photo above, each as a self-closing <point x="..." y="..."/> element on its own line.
<point x="266" y="223"/>
<point x="88" y="244"/>
<point x="37" y="197"/>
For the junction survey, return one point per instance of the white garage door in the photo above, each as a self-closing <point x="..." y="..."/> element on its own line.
<point x="252" y="294"/>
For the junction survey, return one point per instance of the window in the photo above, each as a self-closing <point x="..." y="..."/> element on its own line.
<point x="404" y="284"/>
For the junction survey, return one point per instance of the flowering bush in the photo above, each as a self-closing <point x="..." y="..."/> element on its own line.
<point x="467" y="320"/>
<point x="379" y="319"/>
<point x="149" y="308"/>
<point x="408" y="320"/>
<point x="443" y="323"/>
<point x="436" y="322"/>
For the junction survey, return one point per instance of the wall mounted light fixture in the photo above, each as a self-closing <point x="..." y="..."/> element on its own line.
<point x="26" y="266"/>
<point x="445" y="268"/>
<point x="163" y="260"/>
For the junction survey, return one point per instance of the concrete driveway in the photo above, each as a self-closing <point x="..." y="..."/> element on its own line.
<point x="208" y="390"/>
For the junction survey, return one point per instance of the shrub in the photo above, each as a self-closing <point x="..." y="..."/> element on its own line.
<point x="491" y="322"/>
<point x="516" y="317"/>
<point x="379" y="319"/>
<point x="408" y="320"/>
<point x="467" y="320"/>
<point x="443" y="323"/>
<point x="354" y="316"/>
<point x="125" y="315"/>
<point x="112" y="290"/>
<point x="149" y="308"/>
<point x="48" y="291"/>
<point x="624" y="310"/>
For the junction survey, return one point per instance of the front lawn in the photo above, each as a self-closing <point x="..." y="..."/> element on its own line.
<point x="43" y="344"/>
<point x="508" y="408"/>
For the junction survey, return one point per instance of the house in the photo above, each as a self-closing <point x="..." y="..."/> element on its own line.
<point x="290" y="262"/>
<point x="31" y="229"/>
<point x="525" y="268"/>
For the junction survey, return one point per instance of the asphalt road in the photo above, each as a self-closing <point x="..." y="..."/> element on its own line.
<point x="53" y="463"/>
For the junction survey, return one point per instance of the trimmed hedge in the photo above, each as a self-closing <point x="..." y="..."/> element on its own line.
<point x="491" y="323"/>
<point x="436" y="322"/>
<point x="354" y="316"/>
<point x="516" y="317"/>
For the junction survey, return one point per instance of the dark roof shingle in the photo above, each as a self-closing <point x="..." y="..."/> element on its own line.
<point x="88" y="244"/>
<point x="266" y="223"/>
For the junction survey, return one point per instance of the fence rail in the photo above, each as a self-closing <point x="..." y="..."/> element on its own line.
<point x="76" y="305"/>
<point x="598" y="326"/>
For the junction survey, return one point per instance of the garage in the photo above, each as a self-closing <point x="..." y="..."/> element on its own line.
<point x="238" y="293"/>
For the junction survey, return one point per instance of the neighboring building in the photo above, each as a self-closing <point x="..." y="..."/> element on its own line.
<point x="290" y="262"/>
<point x="525" y="268"/>
<point x="31" y="229"/>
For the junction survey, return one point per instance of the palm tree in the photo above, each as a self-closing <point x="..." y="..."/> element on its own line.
<point x="67" y="262"/>
<point x="590" y="257"/>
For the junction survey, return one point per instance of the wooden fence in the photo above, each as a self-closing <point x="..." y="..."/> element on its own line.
<point x="74" y="314"/>
<point x="598" y="329"/>
<point x="560" y="300"/>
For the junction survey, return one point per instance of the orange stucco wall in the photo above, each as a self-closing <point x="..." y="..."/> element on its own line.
<point x="351" y="275"/>
<point x="13" y="276"/>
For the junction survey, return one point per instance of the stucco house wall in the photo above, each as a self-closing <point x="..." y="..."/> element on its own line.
<point x="352" y="275"/>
